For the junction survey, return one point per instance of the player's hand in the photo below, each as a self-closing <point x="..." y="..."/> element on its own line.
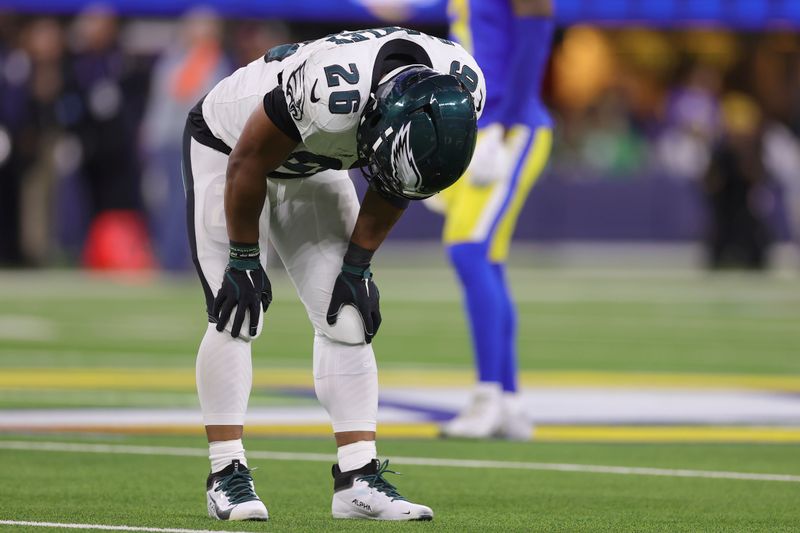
<point x="354" y="286"/>
<point x="436" y="204"/>
<point x="244" y="290"/>
<point x="245" y="287"/>
<point x="490" y="162"/>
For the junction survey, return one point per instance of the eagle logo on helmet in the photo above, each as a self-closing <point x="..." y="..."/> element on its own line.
<point x="402" y="159"/>
<point x="294" y="91"/>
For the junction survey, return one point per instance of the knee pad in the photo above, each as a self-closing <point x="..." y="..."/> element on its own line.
<point x="349" y="327"/>
<point x="244" y="331"/>
<point x="346" y="383"/>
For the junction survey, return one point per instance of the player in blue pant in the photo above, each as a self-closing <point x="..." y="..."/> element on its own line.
<point x="510" y="40"/>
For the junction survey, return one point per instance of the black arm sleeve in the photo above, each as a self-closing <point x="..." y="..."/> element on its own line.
<point x="278" y="112"/>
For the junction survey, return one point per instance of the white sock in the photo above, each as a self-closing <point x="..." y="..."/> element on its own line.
<point x="512" y="403"/>
<point x="491" y="389"/>
<point x="222" y="452"/>
<point x="354" y="456"/>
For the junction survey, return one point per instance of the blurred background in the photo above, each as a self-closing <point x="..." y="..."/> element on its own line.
<point x="675" y="153"/>
<point x="676" y="123"/>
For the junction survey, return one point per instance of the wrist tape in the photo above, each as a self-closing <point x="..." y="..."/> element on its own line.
<point x="357" y="258"/>
<point x="244" y="256"/>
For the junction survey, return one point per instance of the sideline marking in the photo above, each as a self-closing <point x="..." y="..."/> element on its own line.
<point x="27" y="328"/>
<point x="183" y="379"/>
<point x="107" y="528"/>
<point x="426" y="430"/>
<point x="415" y="461"/>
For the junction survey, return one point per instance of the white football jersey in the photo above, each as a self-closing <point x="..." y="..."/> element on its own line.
<point x="326" y="84"/>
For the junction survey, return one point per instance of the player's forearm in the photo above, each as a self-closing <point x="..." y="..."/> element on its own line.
<point x="245" y="192"/>
<point x="261" y="148"/>
<point x="375" y="219"/>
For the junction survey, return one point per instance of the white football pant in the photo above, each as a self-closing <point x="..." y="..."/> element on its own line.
<point x="309" y="222"/>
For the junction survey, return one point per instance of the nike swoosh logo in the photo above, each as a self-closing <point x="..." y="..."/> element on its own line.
<point x="407" y="512"/>
<point x="314" y="98"/>
<point x="222" y="515"/>
<point x="480" y="104"/>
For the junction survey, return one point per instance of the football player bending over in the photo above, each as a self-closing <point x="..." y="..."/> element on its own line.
<point x="511" y="43"/>
<point x="266" y="154"/>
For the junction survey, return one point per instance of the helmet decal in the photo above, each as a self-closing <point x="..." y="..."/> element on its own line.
<point x="294" y="92"/>
<point x="416" y="164"/>
<point x="402" y="159"/>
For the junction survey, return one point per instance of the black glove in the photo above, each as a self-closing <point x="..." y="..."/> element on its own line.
<point x="354" y="286"/>
<point x="245" y="286"/>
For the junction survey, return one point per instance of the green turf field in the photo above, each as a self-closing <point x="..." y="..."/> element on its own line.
<point x="163" y="491"/>
<point x="630" y="321"/>
<point x="574" y="320"/>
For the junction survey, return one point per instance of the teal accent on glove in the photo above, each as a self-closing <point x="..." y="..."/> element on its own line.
<point x="244" y="264"/>
<point x="363" y="273"/>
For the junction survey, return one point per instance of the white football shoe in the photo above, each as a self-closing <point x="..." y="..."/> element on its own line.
<point x="482" y="418"/>
<point x="364" y="493"/>
<point x="515" y="425"/>
<point x="231" y="495"/>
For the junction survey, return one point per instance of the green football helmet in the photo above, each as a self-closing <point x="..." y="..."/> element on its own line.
<point x="417" y="133"/>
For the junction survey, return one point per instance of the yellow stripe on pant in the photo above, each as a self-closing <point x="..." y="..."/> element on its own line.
<point x="489" y="213"/>
<point x="459" y="27"/>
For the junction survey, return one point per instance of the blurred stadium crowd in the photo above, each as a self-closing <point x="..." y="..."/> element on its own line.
<point x="712" y="107"/>
<point x="92" y="108"/>
<point x="91" y="123"/>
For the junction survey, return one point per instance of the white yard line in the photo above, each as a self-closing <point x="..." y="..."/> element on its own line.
<point x="104" y="527"/>
<point x="417" y="461"/>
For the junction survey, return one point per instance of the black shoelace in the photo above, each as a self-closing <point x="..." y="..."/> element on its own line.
<point x="380" y="484"/>
<point x="237" y="486"/>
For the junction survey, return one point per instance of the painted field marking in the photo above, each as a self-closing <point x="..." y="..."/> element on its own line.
<point x="415" y="461"/>
<point x="27" y="328"/>
<point x="426" y="430"/>
<point x="104" y="527"/>
<point x="183" y="379"/>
